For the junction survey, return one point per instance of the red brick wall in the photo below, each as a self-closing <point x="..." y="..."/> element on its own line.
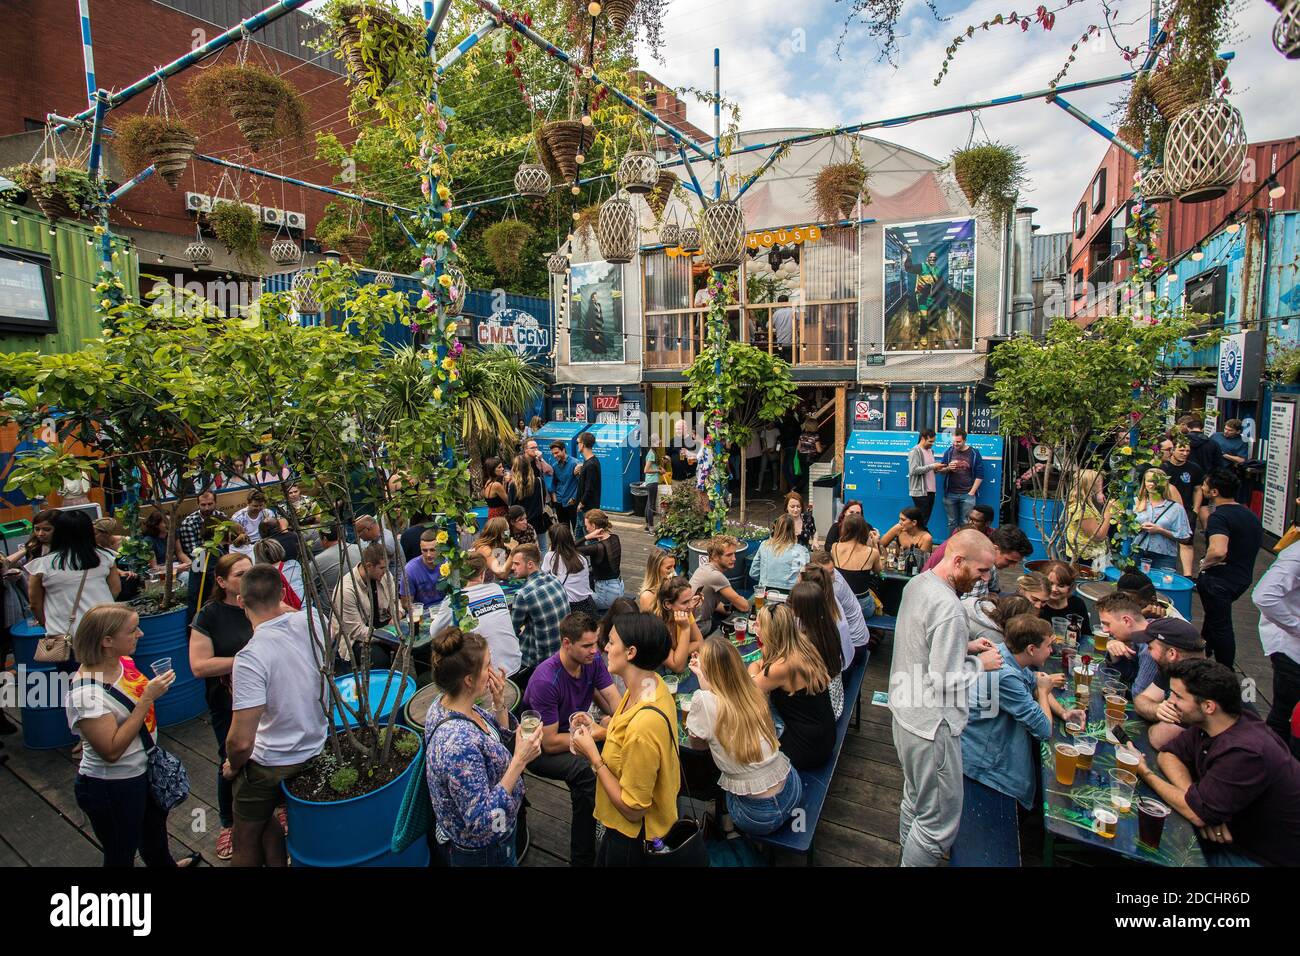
<point x="41" y="71"/>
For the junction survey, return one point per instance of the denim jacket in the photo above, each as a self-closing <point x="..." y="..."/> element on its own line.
<point x="779" y="571"/>
<point x="996" y="745"/>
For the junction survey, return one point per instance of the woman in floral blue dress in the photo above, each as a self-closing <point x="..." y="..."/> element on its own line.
<point x="475" y="783"/>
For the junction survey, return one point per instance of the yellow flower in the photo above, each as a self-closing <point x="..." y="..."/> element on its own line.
<point x="105" y="303"/>
<point x="453" y="375"/>
<point x="444" y="280"/>
<point x="1126" y="450"/>
<point x="437" y="394"/>
<point x="443" y="192"/>
<point x="441" y="236"/>
<point x="442" y="537"/>
<point x="99" y="230"/>
<point x="448" y="363"/>
<point x="445" y="570"/>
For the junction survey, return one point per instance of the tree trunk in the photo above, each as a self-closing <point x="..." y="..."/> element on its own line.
<point x="744" y="470"/>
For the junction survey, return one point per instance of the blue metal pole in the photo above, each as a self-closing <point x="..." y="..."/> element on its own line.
<point x="535" y="38"/>
<point x="1093" y="125"/>
<point x="480" y="32"/>
<point x="767" y="164"/>
<point x="469" y="217"/>
<point x="96" y="156"/>
<point x="434" y="18"/>
<point x="406" y="232"/>
<point x="87" y="51"/>
<point x="130" y="184"/>
<point x="699" y="190"/>
<point x="217" y="161"/>
<point x="254" y="23"/>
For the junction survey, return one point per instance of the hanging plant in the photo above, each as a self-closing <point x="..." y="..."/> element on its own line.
<point x="147" y="140"/>
<point x="69" y="194"/>
<point x="585" y="221"/>
<point x="619" y="13"/>
<point x="991" y="176"/>
<point x="372" y="39"/>
<point x="504" y="242"/>
<point x="837" y="187"/>
<point x="237" y="227"/>
<point x="340" y="231"/>
<point x="657" y="198"/>
<point x="565" y="140"/>
<point x="265" y="107"/>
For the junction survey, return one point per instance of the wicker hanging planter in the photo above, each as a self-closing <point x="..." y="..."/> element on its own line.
<point x="150" y="140"/>
<point x="657" y="198"/>
<point x="199" y="253"/>
<point x="1154" y="186"/>
<point x="384" y="280"/>
<point x="689" y="239"/>
<point x="304" y="297"/>
<point x="172" y="155"/>
<point x="722" y="231"/>
<point x="1175" y="92"/>
<point x="265" y="107"/>
<point x="532" y="180"/>
<point x="565" y="139"/>
<point x="1286" y="32"/>
<point x="557" y="263"/>
<point x="616" y="230"/>
<point x="456" y="293"/>
<point x="670" y="234"/>
<point x="1204" y="151"/>
<point x="837" y="188"/>
<point x="638" y="172"/>
<point x="619" y="13"/>
<point x="369" y="64"/>
<point x="286" y="252"/>
<point x="355" y="246"/>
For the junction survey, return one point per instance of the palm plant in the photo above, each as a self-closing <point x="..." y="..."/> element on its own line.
<point x="498" y="386"/>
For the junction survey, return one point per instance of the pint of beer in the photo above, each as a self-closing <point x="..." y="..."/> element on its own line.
<point x="1104" y="821"/>
<point x="1067" y="759"/>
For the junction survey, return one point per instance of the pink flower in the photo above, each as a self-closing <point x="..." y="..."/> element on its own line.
<point x="442" y="125"/>
<point x="426" y="263"/>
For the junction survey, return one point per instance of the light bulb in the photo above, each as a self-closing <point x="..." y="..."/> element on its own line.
<point x="594" y="9"/>
<point x="1197" y="255"/>
<point x="161" y="258"/>
<point x="586" y="119"/>
<point x="575" y="217"/>
<point x="579" y="158"/>
<point x="1276" y="191"/>
<point x="13" y="220"/>
<point x="574" y="189"/>
<point x="1232" y="228"/>
<point x="54" y="232"/>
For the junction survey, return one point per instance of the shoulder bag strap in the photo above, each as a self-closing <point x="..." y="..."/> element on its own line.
<point x="76" y="603"/>
<point x="146" y="738"/>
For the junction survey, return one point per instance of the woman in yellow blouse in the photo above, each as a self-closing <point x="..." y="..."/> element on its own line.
<point x="639" y="771"/>
<point x="1087" y="517"/>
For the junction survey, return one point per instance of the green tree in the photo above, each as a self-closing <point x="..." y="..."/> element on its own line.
<point x="497" y="385"/>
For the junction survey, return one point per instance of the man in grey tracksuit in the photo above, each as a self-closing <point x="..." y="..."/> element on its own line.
<point x="921" y="466"/>
<point x="934" y="669"/>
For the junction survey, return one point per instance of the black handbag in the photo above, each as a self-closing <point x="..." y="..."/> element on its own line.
<point x="169" y="782"/>
<point x="684" y="841"/>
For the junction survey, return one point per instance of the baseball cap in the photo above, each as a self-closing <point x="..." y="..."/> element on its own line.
<point x="1175" y="633"/>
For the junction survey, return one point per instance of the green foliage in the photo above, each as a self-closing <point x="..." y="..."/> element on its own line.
<point x="991" y="175"/>
<point x="1283" y="362"/>
<point x="214" y="88"/>
<point x="343" y="779"/>
<point x="136" y="137"/>
<point x="505" y="242"/>
<point x="236" y="225"/>
<point x="837" y="188"/>
<point x="686" y="517"/>
<point x="65" y="178"/>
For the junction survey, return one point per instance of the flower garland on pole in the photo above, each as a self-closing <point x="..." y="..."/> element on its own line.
<point x="717" y="431"/>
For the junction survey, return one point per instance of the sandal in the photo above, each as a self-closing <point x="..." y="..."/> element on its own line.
<point x="226" y="843"/>
<point x="190" y="862"/>
<point x="283" y="817"/>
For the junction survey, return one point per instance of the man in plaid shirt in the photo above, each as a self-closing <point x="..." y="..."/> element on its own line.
<point x="539" y="607"/>
<point x="190" y="533"/>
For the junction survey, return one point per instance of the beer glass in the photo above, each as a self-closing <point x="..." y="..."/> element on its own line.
<point x="1067" y="759"/>
<point x="1151" y="821"/>
<point x="1061" y="628"/>
<point x="1115" y="706"/>
<point x="1127" y="759"/>
<point x="1104" y="821"/>
<point x="760" y="598"/>
<point x="1087" y="748"/>
<point x="1121" y="790"/>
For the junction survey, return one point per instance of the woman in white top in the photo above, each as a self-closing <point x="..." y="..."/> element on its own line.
<point x="571" y="567"/>
<point x="730" y="716"/>
<point x="987" y="616"/>
<point x="268" y="551"/>
<point x="108" y="705"/>
<point x="73" y="577"/>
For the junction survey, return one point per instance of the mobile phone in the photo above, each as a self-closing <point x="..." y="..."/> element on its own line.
<point x="1121" y="735"/>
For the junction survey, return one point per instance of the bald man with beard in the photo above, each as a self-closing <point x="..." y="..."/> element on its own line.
<point x="934" y="669"/>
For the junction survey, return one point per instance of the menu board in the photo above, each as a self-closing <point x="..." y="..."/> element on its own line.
<point x="26" y="299"/>
<point x="1279" y="474"/>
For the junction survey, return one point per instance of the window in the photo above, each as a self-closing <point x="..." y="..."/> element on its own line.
<point x="1078" y="283"/>
<point x="26" y="292"/>
<point x="1099" y="191"/>
<point x="1080" y="220"/>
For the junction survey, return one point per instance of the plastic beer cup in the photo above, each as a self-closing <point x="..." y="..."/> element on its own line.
<point x="1103" y="822"/>
<point x="1151" y="821"/>
<point x="1067" y="759"/>
<point x="1087" y="748"/>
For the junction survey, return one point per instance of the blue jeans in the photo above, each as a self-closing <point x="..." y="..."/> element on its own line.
<point x="604" y="593"/>
<point x="763" y="815"/>
<point x="501" y="853"/>
<point x="125" y="820"/>
<point x="1160" y="562"/>
<point x="958" y="509"/>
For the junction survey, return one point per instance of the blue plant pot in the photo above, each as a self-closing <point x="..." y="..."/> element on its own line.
<point x="165" y="635"/>
<point x="25" y="637"/>
<point x="45" y="720"/>
<point x="355" y="832"/>
<point x="381" y="703"/>
<point x="1030" y="512"/>
<point x="1177" y="589"/>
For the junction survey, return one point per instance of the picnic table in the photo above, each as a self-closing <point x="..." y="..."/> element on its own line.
<point x="1067" y="811"/>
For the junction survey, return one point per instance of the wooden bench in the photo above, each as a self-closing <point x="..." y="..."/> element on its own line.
<point x="990" y="828"/>
<point x="817" y="782"/>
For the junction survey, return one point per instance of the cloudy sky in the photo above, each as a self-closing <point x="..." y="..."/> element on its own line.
<point x="779" y="63"/>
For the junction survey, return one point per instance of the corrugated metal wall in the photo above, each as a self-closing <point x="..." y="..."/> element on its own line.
<point x="1281" y="298"/>
<point x="290" y="34"/>
<point x="75" y="262"/>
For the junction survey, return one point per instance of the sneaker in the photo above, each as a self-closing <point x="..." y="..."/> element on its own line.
<point x="283" y="818"/>
<point x="225" y="844"/>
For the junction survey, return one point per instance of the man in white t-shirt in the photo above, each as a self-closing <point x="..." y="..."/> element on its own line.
<point x="279" y="721"/>
<point x="487" y="602"/>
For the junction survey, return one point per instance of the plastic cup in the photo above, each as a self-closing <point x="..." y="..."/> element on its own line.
<point x="1087" y="748"/>
<point x="161" y="666"/>
<point x="1067" y="760"/>
<point x="1115" y="706"/>
<point x="742" y="631"/>
<point x="671" y="681"/>
<point x="1122" y="785"/>
<point x="1151" y="821"/>
<point x="1061" y="627"/>
<point x="1127" y="759"/>
<point x="529" y="722"/>
<point x="1074" y="729"/>
<point x="1104" y="821"/>
<point x="1146" y="568"/>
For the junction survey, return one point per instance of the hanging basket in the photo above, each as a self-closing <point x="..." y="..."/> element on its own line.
<point x="670" y="234"/>
<point x="1154" y="186"/>
<point x="565" y="139"/>
<point x="619" y="13"/>
<point x="557" y="263"/>
<point x="54" y="205"/>
<point x="304" y="298"/>
<point x="286" y="252"/>
<point x="837" y="188"/>
<point x="254" y="112"/>
<point x="657" y="198"/>
<point x="363" y="64"/>
<point x="384" y="280"/>
<point x="616" y="231"/>
<point x="1204" y="151"/>
<point x="722" y="230"/>
<point x="1286" y="32"/>
<point x="964" y="184"/>
<point x="199" y="253"/>
<point x="689" y="239"/>
<point x="172" y="156"/>
<point x="355" y="247"/>
<point x="638" y="172"/>
<point x="1175" y="93"/>
<point x="532" y="180"/>
<point x="455" y="294"/>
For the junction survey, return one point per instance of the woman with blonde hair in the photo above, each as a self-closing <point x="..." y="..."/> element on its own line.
<point x="731" y="718"/>
<point x="791" y="672"/>
<point x="1087" y="517"/>
<point x="110" y="706"/>
<point x="660" y="566"/>
<point x="491" y="543"/>
<point x="780" y="558"/>
<point x="1163" y="519"/>
<point x="676" y="606"/>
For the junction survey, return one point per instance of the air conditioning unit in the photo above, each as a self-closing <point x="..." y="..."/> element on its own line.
<point x="257" y="210"/>
<point x="197" y="202"/>
<point x="295" y="220"/>
<point x="272" y="217"/>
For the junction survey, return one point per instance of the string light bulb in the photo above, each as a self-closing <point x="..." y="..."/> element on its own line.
<point x="13" y="220"/>
<point x="1275" y="190"/>
<point x="579" y="158"/>
<point x="574" y="189"/>
<point x="1232" y="228"/>
<point x="586" y="119"/>
<point x="1197" y="255"/>
<point x="575" y="217"/>
<point x="54" y="232"/>
<point x="593" y="8"/>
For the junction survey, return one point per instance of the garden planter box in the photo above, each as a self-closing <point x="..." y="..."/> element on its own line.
<point x="165" y="635"/>
<point x="355" y="832"/>
<point x="383" y="692"/>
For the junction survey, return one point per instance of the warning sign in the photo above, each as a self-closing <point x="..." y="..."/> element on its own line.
<point x="861" y="412"/>
<point x="579" y="413"/>
<point x="948" y="418"/>
<point x="900" y="420"/>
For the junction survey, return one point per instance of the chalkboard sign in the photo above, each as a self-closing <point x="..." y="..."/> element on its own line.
<point x="26" y="292"/>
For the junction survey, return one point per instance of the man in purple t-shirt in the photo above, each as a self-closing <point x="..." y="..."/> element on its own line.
<point x="1228" y="773"/>
<point x="562" y="686"/>
<point x="963" y="471"/>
